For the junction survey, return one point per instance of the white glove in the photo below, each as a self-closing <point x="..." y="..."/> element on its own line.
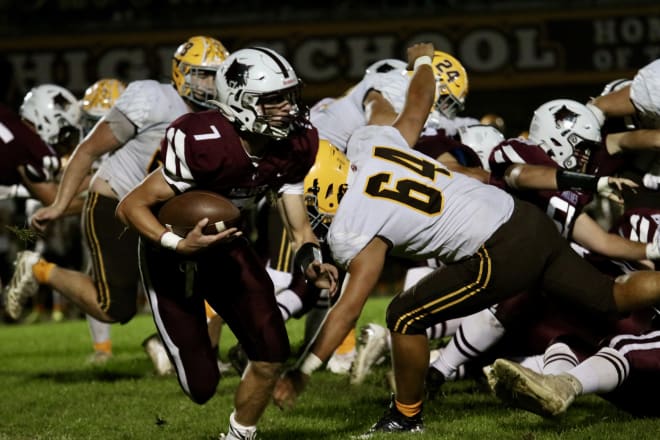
<point x="603" y="187"/>
<point x="653" y="248"/>
<point x="651" y="181"/>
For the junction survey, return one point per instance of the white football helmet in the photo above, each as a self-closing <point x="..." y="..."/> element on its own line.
<point x="566" y="130"/>
<point x="54" y="112"/>
<point x="257" y="76"/>
<point x="482" y="139"/>
<point x="386" y="65"/>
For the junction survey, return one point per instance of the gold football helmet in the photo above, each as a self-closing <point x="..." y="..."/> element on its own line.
<point x="325" y="185"/>
<point x="451" y="84"/>
<point x="193" y="63"/>
<point x="98" y="100"/>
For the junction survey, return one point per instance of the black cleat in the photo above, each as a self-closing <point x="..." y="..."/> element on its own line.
<point x="433" y="383"/>
<point x="238" y="358"/>
<point x="394" y="421"/>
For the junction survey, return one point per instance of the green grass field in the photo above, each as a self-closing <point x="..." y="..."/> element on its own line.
<point x="48" y="392"/>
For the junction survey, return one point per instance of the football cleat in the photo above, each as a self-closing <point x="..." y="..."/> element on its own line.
<point x="372" y="348"/>
<point x="545" y="395"/>
<point x="23" y="284"/>
<point x="341" y="363"/>
<point x="491" y="379"/>
<point x="224" y="367"/>
<point x="238" y="358"/>
<point x="234" y="435"/>
<point x="99" y="358"/>
<point x="158" y="355"/>
<point x="433" y="383"/>
<point x="393" y="421"/>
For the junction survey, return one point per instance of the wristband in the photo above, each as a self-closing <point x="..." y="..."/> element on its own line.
<point x="424" y="59"/>
<point x="652" y="251"/>
<point x="571" y="180"/>
<point x="307" y="253"/>
<point x="651" y="181"/>
<point x="310" y="364"/>
<point x="169" y="240"/>
<point x="603" y="185"/>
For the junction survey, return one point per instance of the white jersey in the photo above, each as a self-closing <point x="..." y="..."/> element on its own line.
<point x="337" y="119"/>
<point x="645" y="94"/>
<point x="151" y="107"/>
<point x="413" y="202"/>
<point x="437" y="122"/>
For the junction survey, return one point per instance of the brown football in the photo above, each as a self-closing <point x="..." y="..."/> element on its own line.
<point x="182" y="212"/>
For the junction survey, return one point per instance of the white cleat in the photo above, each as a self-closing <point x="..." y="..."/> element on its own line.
<point x="99" y="358"/>
<point x="341" y="363"/>
<point x="23" y="284"/>
<point x="372" y="348"/>
<point x="232" y="435"/>
<point x="545" y="395"/>
<point x="158" y="355"/>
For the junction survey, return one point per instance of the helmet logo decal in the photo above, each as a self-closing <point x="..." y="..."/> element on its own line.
<point x="565" y="118"/>
<point x="61" y="102"/>
<point x="237" y="74"/>
<point x="385" y="67"/>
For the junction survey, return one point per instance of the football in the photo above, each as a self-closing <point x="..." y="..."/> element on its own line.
<point x="182" y="212"/>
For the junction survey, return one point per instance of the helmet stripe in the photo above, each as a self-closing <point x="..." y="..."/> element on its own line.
<point x="275" y="58"/>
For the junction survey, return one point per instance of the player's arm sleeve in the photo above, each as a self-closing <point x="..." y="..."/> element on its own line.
<point x="122" y="128"/>
<point x="176" y="168"/>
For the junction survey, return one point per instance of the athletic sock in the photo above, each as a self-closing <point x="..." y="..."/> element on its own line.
<point x="289" y="303"/>
<point x="602" y="372"/>
<point x="42" y="270"/>
<point x="558" y="358"/>
<point x="408" y="410"/>
<point x="477" y="333"/>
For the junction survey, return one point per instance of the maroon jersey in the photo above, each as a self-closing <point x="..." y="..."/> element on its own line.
<point x="203" y="150"/>
<point x="638" y="224"/>
<point x="20" y="146"/>
<point x="438" y="143"/>
<point x="563" y="207"/>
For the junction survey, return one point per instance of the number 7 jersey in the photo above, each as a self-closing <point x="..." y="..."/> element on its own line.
<point x="411" y="201"/>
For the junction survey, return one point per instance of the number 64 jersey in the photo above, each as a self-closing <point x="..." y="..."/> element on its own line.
<point x="411" y="201"/>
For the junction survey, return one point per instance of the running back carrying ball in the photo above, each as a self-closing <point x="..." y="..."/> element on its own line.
<point x="181" y="213"/>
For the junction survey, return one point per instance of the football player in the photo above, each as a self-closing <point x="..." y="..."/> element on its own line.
<point x="97" y="101"/>
<point x="384" y="81"/>
<point x="617" y="360"/>
<point x="34" y="142"/>
<point x="636" y="102"/>
<point x="261" y="129"/>
<point x="562" y="136"/>
<point x="131" y="130"/>
<point x="34" y="145"/>
<point x="405" y="204"/>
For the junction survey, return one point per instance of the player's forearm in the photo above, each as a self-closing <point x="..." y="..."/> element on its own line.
<point x="75" y="174"/>
<point x="593" y="237"/>
<point x="335" y="328"/>
<point x="635" y="140"/>
<point x="135" y="213"/>
<point x="531" y="177"/>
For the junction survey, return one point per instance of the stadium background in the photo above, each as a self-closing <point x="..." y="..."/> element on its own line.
<point x="518" y="53"/>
